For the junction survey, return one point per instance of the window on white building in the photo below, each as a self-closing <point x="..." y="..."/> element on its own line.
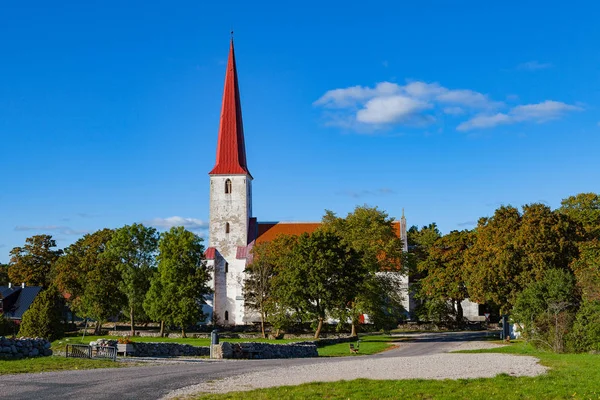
<point x="228" y="186"/>
<point x="226" y="315"/>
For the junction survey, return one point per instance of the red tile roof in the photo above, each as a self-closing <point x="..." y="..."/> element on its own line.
<point x="268" y="231"/>
<point x="231" y="150"/>
<point x="210" y="253"/>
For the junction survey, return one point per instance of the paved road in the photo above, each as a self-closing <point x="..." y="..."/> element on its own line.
<point x="153" y="382"/>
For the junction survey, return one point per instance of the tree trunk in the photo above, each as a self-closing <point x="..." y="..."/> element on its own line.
<point x="162" y="328"/>
<point x="459" y="312"/>
<point x="319" y="327"/>
<point x="131" y="321"/>
<point x="183" y="333"/>
<point x="97" y="330"/>
<point x="262" y="324"/>
<point x="353" y="333"/>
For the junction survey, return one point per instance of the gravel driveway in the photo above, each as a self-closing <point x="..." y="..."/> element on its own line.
<point x="432" y="366"/>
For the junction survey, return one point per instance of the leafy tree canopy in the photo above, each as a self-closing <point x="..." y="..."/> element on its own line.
<point x="31" y="264"/>
<point x="44" y="317"/>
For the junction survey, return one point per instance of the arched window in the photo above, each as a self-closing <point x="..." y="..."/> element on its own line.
<point x="228" y="186"/>
<point x="226" y="227"/>
<point x="226" y="315"/>
<point x="226" y="267"/>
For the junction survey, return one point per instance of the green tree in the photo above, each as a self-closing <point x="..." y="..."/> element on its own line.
<point x="44" y="317"/>
<point x="585" y="335"/>
<point x="372" y="234"/>
<point x="513" y="250"/>
<point x="545" y="308"/>
<point x="444" y="265"/>
<point x="587" y="270"/>
<point x="259" y="290"/>
<point x="31" y="264"/>
<point x="3" y="274"/>
<point x="90" y="279"/>
<point x="585" y="209"/>
<point x="178" y="289"/>
<point x="134" y="248"/>
<point x="322" y="276"/>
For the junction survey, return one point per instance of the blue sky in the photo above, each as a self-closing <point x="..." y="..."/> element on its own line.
<point x="109" y="110"/>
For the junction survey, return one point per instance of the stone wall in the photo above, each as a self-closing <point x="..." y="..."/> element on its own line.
<point x="158" y="349"/>
<point x="265" y="350"/>
<point x="14" y="349"/>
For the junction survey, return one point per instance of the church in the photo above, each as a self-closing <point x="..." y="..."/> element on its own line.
<point x="233" y="229"/>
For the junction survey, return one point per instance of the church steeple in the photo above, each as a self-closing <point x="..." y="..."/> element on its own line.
<point x="231" y="150"/>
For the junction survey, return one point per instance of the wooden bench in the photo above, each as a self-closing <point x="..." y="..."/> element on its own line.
<point x="353" y="349"/>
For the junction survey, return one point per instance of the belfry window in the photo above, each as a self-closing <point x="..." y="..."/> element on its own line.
<point x="226" y="267"/>
<point x="228" y="186"/>
<point x="226" y="315"/>
<point x="226" y="227"/>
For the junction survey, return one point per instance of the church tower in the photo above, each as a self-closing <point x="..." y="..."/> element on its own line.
<point x="230" y="206"/>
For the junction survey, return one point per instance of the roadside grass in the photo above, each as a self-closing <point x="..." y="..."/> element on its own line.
<point x="53" y="363"/>
<point x="368" y="344"/>
<point x="61" y="344"/>
<point x="572" y="376"/>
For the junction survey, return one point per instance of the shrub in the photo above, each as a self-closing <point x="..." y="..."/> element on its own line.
<point x="585" y="335"/>
<point x="44" y="317"/>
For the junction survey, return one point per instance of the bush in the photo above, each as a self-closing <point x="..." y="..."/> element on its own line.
<point x="8" y="327"/>
<point x="585" y="335"/>
<point x="44" y="317"/>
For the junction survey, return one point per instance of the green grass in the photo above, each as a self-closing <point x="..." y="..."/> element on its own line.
<point x="60" y="344"/>
<point x="53" y="363"/>
<point x="573" y="376"/>
<point x="368" y="345"/>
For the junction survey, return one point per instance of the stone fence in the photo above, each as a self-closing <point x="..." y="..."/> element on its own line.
<point x="14" y="349"/>
<point x="264" y="350"/>
<point x="158" y="349"/>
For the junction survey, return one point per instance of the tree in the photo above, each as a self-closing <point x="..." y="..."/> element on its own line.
<point x="544" y="308"/>
<point x="585" y="335"/>
<point x="134" y="248"/>
<point x="3" y="274"/>
<point x="587" y="270"/>
<point x="259" y="289"/>
<point x="44" y="317"/>
<point x="31" y="264"/>
<point x="444" y="265"/>
<point x="90" y="279"/>
<point x="323" y="275"/>
<point x="371" y="233"/>
<point x="178" y="289"/>
<point x="585" y="209"/>
<point x="513" y="250"/>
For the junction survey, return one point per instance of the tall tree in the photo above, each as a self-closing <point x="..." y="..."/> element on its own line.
<point x="261" y="273"/>
<point x="371" y="233"/>
<point x="31" y="264"/>
<point x="134" y="248"/>
<point x="89" y="279"/>
<point x="323" y="275"/>
<point x="178" y="289"/>
<point x="419" y="243"/>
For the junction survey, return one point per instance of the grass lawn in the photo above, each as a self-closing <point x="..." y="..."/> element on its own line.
<point x="368" y="345"/>
<point x="53" y="363"/>
<point x="573" y="376"/>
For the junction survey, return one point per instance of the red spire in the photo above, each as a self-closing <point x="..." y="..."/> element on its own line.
<point x="231" y="150"/>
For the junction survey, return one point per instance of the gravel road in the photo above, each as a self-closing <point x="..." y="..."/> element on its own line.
<point x="434" y="366"/>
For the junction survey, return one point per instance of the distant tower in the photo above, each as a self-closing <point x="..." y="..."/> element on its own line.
<point x="230" y="205"/>
<point x="403" y="235"/>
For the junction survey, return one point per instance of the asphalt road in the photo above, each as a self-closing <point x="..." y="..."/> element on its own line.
<point x="154" y="382"/>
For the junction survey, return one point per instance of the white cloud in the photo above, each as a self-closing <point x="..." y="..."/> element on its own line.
<point x="540" y="112"/>
<point x="65" y="230"/>
<point x="386" y="110"/>
<point x="169" y="222"/>
<point x="533" y="66"/>
<point x="388" y="103"/>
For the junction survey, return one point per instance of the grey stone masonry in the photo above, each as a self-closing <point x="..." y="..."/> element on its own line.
<point x="15" y="349"/>
<point x="158" y="349"/>
<point x="265" y="350"/>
